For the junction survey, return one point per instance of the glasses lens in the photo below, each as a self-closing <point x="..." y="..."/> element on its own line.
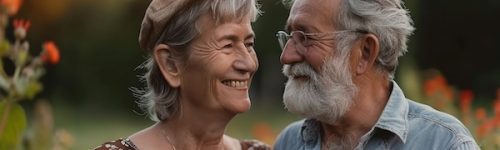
<point x="282" y="38"/>
<point x="299" y="37"/>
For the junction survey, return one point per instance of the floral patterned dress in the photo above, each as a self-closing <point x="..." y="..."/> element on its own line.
<point x="126" y="144"/>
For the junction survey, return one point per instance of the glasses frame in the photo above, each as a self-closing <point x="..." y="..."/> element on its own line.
<point x="284" y="38"/>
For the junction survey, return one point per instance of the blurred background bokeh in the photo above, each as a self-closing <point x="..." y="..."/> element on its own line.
<point x="452" y="60"/>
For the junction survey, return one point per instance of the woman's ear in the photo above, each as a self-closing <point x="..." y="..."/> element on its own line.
<point x="370" y="48"/>
<point x="169" y="67"/>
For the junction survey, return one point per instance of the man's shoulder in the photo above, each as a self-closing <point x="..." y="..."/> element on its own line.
<point x="290" y="137"/>
<point x="429" y="114"/>
<point x="293" y="130"/>
<point x="426" y="121"/>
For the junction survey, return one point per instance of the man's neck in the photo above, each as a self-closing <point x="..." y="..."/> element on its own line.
<point x="363" y="115"/>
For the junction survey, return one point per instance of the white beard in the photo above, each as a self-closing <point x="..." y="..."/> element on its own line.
<point x="325" y="97"/>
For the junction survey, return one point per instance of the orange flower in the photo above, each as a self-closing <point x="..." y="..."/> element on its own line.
<point x="496" y="107"/>
<point x="432" y="85"/>
<point x="438" y="85"/>
<point x="466" y="97"/>
<point x="485" y="128"/>
<point x="50" y="53"/>
<point x="481" y="114"/>
<point x="481" y="131"/>
<point x="21" y="28"/>
<point x="262" y="131"/>
<point x="12" y="6"/>
<point x="20" y="23"/>
<point x="496" y="121"/>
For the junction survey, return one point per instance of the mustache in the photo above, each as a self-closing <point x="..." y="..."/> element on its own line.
<point x="299" y="69"/>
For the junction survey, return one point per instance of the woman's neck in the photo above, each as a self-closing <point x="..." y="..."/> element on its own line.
<point x="196" y="128"/>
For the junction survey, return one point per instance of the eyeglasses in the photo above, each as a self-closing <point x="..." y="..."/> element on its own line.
<point x="303" y="40"/>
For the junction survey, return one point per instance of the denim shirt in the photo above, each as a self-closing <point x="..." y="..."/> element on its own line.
<point x="404" y="124"/>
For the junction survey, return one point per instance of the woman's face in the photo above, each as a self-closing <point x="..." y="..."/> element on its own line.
<point x="219" y="69"/>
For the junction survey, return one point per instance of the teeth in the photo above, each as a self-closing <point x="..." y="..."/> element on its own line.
<point x="234" y="83"/>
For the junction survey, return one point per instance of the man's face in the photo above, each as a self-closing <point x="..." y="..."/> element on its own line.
<point x="319" y="79"/>
<point x="310" y="16"/>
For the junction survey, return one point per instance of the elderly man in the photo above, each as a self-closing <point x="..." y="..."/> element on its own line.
<point x="340" y="57"/>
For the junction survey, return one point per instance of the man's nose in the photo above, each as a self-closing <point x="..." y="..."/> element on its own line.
<point x="291" y="54"/>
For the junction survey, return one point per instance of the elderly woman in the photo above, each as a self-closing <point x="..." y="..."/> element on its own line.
<point x="200" y="68"/>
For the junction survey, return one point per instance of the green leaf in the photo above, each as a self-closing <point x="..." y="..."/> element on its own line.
<point x="16" y="125"/>
<point x="4" y="48"/>
<point x="20" y="85"/>
<point x="22" y="56"/>
<point x="33" y="88"/>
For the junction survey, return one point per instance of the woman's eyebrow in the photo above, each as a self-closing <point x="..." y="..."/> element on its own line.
<point x="228" y="36"/>
<point x="250" y="36"/>
<point x="233" y="37"/>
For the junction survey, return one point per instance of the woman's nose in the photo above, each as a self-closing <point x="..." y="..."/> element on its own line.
<point x="291" y="54"/>
<point x="246" y="62"/>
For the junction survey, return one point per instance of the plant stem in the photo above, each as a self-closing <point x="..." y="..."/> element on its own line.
<point x="13" y="91"/>
<point x="17" y="72"/>
<point x="5" y="115"/>
<point x="5" y="77"/>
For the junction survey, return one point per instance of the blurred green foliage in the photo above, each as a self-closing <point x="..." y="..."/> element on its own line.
<point x="14" y="129"/>
<point x="100" y="52"/>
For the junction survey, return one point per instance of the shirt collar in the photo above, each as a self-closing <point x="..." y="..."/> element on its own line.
<point x="394" y="118"/>
<point x="310" y="132"/>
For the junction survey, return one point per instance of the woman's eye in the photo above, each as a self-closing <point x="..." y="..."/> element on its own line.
<point x="249" y="44"/>
<point x="228" y="46"/>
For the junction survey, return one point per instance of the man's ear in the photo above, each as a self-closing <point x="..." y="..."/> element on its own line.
<point x="168" y="66"/>
<point x="369" y="46"/>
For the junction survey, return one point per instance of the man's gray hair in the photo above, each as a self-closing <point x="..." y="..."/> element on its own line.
<point x="158" y="99"/>
<point x="387" y="19"/>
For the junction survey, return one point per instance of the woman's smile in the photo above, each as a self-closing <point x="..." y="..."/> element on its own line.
<point x="237" y="84"/>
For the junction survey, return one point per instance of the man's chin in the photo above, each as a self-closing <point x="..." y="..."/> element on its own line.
<point x="325" y="117"/>
<point x="307" y="106"/>
<point x="294" y="104"/>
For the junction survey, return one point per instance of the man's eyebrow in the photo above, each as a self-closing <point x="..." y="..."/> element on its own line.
<point x="287" y="27"/>
<point x="301" y="27"/>
<point x="298" y="24"/>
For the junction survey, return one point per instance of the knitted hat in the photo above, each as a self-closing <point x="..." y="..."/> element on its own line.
<point x="158" y="13"/>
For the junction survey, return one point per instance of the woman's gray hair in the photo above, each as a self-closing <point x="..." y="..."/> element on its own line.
<point x="158" y="99"/>
<point x="387" y="19"/>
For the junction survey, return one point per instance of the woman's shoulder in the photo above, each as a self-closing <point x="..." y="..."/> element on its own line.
<point x="253" y="145"/>
<point x="120" y="144"/>
<point x="246" y="144"/>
